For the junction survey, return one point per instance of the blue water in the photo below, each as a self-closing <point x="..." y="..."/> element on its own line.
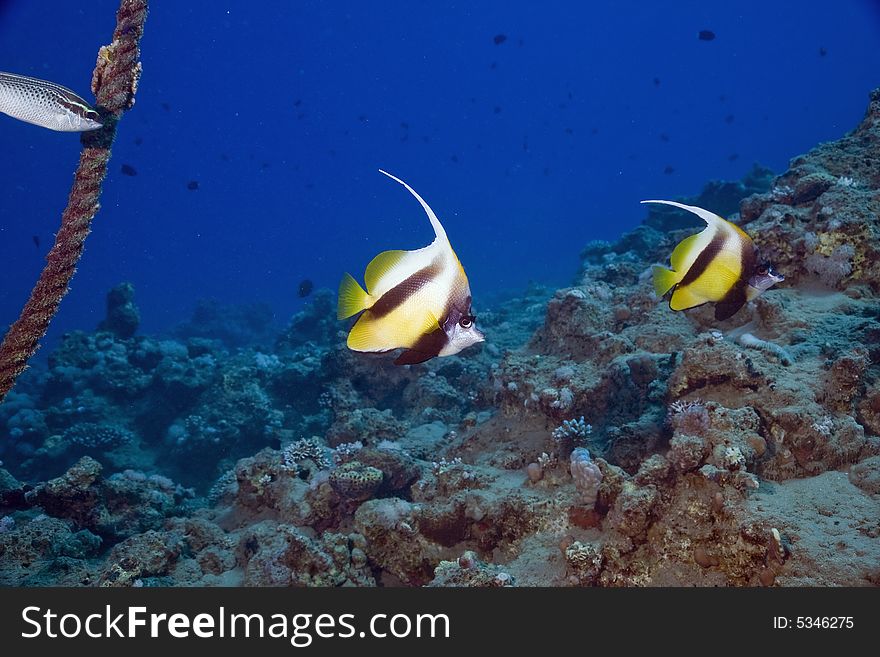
<point x="527" y="150"/>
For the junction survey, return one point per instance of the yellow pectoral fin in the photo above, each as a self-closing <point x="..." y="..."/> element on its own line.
<point x="685" y="297"/>
<point x="352" y="298"/>
<point x="380" y="266"/>
<point x="664" y="279"/>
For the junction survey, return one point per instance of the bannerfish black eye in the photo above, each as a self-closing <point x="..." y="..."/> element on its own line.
<point x="465" y="322"/>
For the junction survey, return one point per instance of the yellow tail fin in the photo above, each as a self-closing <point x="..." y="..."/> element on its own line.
<point x="352" y="298"/>
<point x="664" y="279"/>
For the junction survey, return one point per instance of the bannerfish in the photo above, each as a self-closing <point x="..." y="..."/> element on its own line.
<point x="419" y="301"/>
<point x="719" y="264"/>
<point x="46" y="104"/>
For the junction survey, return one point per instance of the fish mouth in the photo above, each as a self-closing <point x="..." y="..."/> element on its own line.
<point x="481" y="337"/>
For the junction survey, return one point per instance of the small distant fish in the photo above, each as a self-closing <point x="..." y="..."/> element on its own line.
<point x="664" y="137"/>
<point x="733" y="157"/>
<point x="656" y="82"/>
<point x="707" y="35"/>
<point x="719" y="265"/>
<point x="419" y="301"/>
<point x="454" y="158"/>
<point x="128" y="170"/>
<point x="669" y="169"/>
<point x="193" y="185"/>
<point x="138" y="141"/>
<point x="46" y="104"/>
<point x="297" y="102"/>
<point x="730" y="118"/>
<point x="497" y="109"/>
<point x="305" y="288"/>
<point x="822" y="52"/>
<point x="498" y="39"/>
<point x="166" y="107"/>
<point x="36" y="241"/>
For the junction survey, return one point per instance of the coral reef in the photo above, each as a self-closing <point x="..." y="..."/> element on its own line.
<point x="596" y="439"/>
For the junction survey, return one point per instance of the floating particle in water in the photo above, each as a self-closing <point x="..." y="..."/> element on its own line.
<point x="498" y="39"/>
<point x="297" y="102"/>
<point x="192" y="185"/>
<point x="594" y="131"/>
<point x="166" y="107"/>
<point x="300" y="116"/>
<point x="493" y="65"/>
<point x="362" y="118"/>
<point x="224" y="157"/>
<point x="707" y="35"/>
<point x="656" y="82"/>
<point x="729" y="119"/>
<point x="733" y="157"/>
<point x="569" y="131"/>
<point x="128" y="170"/>
<point x="722" y="98"/>
<point x="36" y="241"/>
<point x="664" y="137"/>
<point x="546" y="171"/>
<point x="570" y="95"/>
<point x="497" y="109"/>
<point x="404" y="125"/>
<point x="305" y="288"/>
<point x="823" y="51"/>
<point x="669" y="169"/>
<point x="454" y="158"/>
<point x="138" y="141"/>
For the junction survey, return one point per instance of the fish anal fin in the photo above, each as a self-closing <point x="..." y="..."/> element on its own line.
<point x="684" y="298"/>
<point x="426" y="348"/>
<point x="352" y="298"/>
<point x="730" y="305"/>
<point x="380" y="266"/>
<point x="412" y="357"/>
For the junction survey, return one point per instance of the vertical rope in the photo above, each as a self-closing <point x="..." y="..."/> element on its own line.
<point x="114" y="83"/>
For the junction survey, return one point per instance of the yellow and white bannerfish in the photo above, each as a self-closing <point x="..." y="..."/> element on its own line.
<point x="418" y="300"/>
<point x="719" y="264"/>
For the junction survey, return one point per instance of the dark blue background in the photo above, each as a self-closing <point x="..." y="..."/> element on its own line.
<point x="527" y="150"/>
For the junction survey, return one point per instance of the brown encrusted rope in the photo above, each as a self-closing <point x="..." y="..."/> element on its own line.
<point x="114" y="84"/>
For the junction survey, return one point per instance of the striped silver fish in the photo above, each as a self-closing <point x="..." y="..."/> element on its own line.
<point x="418" y="300"/>
<point x="46" y="104"/>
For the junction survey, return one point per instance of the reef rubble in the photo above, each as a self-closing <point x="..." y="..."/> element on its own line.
<point x="596" y="439"/>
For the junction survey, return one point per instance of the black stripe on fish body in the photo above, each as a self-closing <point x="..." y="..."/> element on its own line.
<point x="737" y="297"/>
<point x="707" y="255"/>
<point x="732" y="302"/>
<point x="428" y="346"/>
<point x="397" y="296"/>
